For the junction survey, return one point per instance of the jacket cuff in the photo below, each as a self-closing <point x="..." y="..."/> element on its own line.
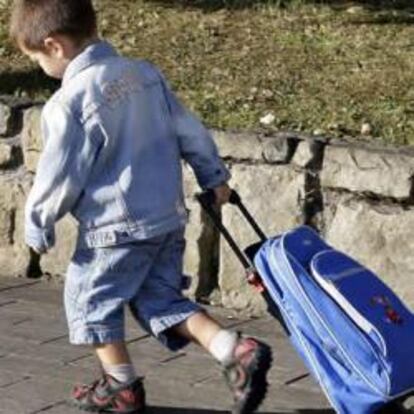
<point x="39" y="239"/>
<point x="219" y="176"/>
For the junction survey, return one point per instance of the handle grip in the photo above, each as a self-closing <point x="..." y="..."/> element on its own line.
<point x="207" y="200"/>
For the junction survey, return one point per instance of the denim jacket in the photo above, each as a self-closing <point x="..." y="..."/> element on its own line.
<point x="114" y="137"/>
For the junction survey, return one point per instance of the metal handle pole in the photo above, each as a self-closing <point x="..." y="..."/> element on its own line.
<point x="207" y="199"/>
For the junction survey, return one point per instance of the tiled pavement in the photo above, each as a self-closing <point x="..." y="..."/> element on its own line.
<point x="38" y="366"/>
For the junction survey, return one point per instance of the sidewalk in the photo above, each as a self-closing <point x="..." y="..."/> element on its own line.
<point x="38" y="366"/>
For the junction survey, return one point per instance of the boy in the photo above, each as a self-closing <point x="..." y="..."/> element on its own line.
<point x="114" y="134"/>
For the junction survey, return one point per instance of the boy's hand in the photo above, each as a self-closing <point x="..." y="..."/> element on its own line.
<point x="33" y="270"/>
<point x="222" y="194"/>
<point x="35" y="251"/>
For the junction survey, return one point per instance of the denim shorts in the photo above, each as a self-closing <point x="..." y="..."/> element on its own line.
<point x="146" y="275"/>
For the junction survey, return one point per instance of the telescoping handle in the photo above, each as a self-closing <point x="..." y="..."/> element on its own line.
<point x="207" y="200"/>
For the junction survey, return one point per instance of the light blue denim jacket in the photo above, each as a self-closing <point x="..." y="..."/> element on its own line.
<point x="114" y="136"/>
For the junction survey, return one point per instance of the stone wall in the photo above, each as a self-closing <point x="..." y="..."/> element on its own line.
<point x="358" y="195"/>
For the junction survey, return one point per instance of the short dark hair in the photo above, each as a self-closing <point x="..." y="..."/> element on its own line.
<point x="32" y="21"/>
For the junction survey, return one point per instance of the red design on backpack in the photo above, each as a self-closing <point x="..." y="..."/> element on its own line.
<point x="391" y="315"/>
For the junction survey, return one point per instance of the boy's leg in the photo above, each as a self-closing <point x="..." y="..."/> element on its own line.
<point x="113" y="354"/>
<point x="116" y="362"/>
<point x="199" y="328"/>
<point x="162" y="309"/>
<point x="97" y="286"/>
<point x="209" y="334"/>
<point x="245" y="361"/>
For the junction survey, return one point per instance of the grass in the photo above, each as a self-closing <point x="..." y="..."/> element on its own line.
<point x="318" y="67"/>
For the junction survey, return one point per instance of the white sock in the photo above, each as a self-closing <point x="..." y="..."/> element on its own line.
<point x="123" y="373"/>
<point x="222" y="346"/>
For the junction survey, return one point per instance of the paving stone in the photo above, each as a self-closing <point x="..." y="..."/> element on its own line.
<point x="31" y="395"/>
<point x="58" y="408"/>
<point x="58" y="352"/>
<point x="14" y="367"/>
<point x="194" y="368"/>
<point x="7" y="283"/>
<point x="9" y="378"/>
<point x="46" y="293"/>
<point x="16" y="311"/>
<point x="38" y="333"/>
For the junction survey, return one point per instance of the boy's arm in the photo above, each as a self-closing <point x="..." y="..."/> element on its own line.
<point x="196" y="144"/>
<point x="62" y="171"/>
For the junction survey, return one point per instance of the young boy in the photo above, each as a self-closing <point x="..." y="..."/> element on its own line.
<point x="114" y="135"/>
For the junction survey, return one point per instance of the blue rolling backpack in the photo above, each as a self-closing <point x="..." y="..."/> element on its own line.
<point x="352" y="331"/>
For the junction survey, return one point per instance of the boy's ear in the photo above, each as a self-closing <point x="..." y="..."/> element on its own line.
<point x="54" y="47"/>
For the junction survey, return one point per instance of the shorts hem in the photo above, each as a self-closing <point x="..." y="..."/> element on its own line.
<point x="94" y="336"/>
<point x="160" y="326"/>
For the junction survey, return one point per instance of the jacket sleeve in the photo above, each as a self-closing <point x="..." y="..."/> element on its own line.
<point x="197" y="146"/>
<point x="62" y="171"/>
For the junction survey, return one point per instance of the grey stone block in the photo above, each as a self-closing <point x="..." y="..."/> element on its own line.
<point x="32" y="137"/>
<point x="361" y="170"/>
<point x="272" y="195"/>
<point x="14" y="254"/>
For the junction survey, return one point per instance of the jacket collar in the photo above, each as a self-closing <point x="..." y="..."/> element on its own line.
<point x="90" y="55"/>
